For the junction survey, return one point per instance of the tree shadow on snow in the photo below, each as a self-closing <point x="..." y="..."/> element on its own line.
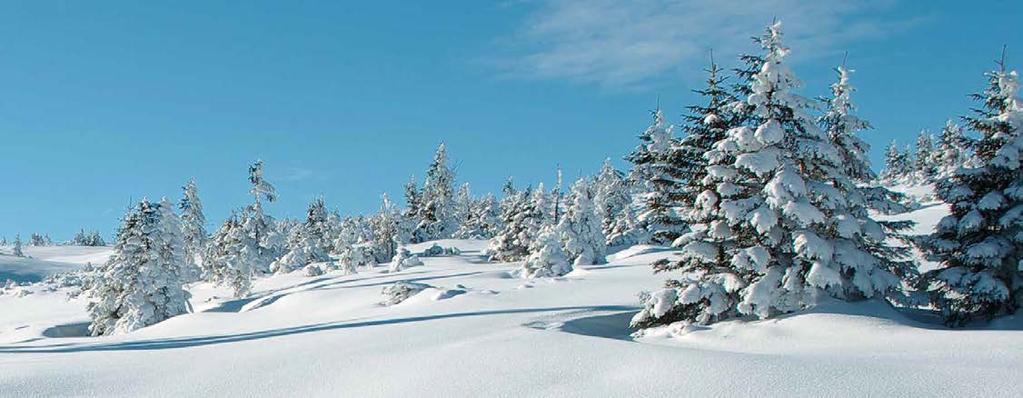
<point x="184" y="342"/>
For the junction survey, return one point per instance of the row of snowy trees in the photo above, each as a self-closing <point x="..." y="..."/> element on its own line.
<point x="770" y="204"/>
<point x="933" y="159"/>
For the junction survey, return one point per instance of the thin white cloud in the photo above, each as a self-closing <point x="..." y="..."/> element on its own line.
<point x="628" y="42"/>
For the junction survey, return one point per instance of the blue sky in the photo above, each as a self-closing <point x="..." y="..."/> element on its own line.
<point x="104" y="103"/>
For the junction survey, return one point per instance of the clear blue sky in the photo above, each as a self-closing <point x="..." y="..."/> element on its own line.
<point x="104" y="103"/>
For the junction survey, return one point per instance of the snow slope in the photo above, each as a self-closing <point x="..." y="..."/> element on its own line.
<point x="480" y="332"/>
<point x="47" y="260"/>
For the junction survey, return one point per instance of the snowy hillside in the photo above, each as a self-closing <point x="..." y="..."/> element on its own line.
<point x="42" y="261"/>
<point x="478" y="331"/>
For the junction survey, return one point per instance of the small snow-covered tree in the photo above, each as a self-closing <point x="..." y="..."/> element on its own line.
<point x="16" y="251"/>
<point x="898" y="165"/>
<point x="546" y="256"/>
<point x="521" y="221"/>
<point x="544" y="205"/>
<point x="193" y="222"/>
<point x="924" y="159"/>
<point x="580" y="227"/>
<point x="307" y="244"/>
<point x="613" y="205"/>
<point x="437" y="210"/>
<point x="142" y="282"/>
<point x="386" y="228"/>
<point x="952" y="151"/>
<point x="231" y="257"/>
<point x="483" y="220"/>
<point x="979" y="246"/>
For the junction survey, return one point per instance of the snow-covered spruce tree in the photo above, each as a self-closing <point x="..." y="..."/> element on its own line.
<point x="231" y="256"/>
<point x="462" y="208"/>
<point x="924" y="169"/>
<point x="612" y="202"/>
<point x="952" y="151"/>
<point x="142" y="282"/>
<point x="437" y="210"/>
<point x="979" y="246"/>
<point x="521" y="221"/>
<point x="17" y="252"/>
<point x="258" y="225"/>
<point x="546" y="256"/>
<point x="657" y="170"/>
<point x="898" y="165"/>
<point x="193" y="222"/>
<point x="307" y="245"/>
<point x="580" y="227"/>
<point x="386" y="224"/>
<point x="774" y="228"/>
<point x="481" y="221"/>
<point x="544" y="206"/>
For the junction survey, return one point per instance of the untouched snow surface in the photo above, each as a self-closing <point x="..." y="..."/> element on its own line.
<point x="477" y="331"/>
<point x="43" y="261"/>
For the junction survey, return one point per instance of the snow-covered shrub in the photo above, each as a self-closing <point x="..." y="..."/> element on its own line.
<point x="400" y="291"/>
<point x="404" y="259"/>
<point x="546" y="258"/>
<point x="433" y="251"/>
<point x="313" y="270"/>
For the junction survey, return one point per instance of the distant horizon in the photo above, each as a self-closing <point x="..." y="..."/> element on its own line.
<point x="106" y="105"/>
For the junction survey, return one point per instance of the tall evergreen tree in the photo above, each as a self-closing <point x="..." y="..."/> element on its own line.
<point x="142" y="282"/>
<point x="613" y="205"/>
<point x="437" y="212"/>
<point x="17" y="252"/>
<point x="258" y="225"/>
<point x="386" y="231"/>
<point x="580" y="227"/>
<point x="193" y="222"/>
<point x="924" y="162"/>
<point x="979" y="246"/>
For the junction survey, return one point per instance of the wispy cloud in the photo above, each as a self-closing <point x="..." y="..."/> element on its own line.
<point x="628" y="42"/>
<point x="291" y="174"/>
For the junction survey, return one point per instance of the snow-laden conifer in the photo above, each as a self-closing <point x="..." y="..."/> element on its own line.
<point x="613" y="204"/>
<point x="193" y="223"/>
<point x="979" y="246"/>
<point x="142" y="282"/>
<point x="308" y="243"/>
<point x="17" y="251"/>
<point x="436" y="216"/>
<point x="520" y="222"/>
<point x="580" y="227"/>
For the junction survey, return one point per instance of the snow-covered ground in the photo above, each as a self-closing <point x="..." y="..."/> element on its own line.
<point x="47" y="260"/>
<point x="480" y="332"/>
